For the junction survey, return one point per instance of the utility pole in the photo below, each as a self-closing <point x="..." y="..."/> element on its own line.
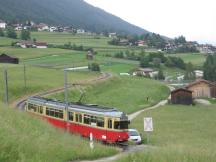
<point x="24" y="73"/>
<point x="6" y="86"/>
<point x="66" y="96"/>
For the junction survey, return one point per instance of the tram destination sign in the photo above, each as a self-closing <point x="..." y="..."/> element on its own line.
<point x="148" y="124"/>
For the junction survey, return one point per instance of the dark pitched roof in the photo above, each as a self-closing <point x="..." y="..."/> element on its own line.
<point x="41" y="44"/>
<point x="181" y="89"/>
<point x="7" y="56"/>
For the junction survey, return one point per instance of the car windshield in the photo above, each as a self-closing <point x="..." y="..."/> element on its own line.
<point x="133" y="133"/>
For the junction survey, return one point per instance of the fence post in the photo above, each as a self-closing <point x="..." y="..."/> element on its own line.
<point x="6" y="86"/>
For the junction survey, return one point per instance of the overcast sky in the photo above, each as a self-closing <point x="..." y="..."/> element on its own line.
<point x="195" y="19"/>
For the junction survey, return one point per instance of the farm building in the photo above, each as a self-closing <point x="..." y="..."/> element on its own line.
<point x="181" y="96"/>
<point x="2" y="24"/>
<point x="31" y="44"/>
<point x="25" y="44"/>
<point x="200" y="88"/>
<point x="145" y="72"/>
<point x="89" y="55"/>
<point x="213" y="90"/>
<point x="41" y="45"/>
<point x="8" y="59"/>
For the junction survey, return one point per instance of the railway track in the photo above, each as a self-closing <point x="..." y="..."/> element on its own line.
<point x="20" y="103"/>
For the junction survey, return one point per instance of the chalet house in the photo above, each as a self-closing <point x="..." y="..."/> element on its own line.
<point x="145" y="72"/>
<point x="53" y="29"/>
<point x="181" y="96"/>
<point x="200" y="88"/>
<point x="18" y="28"/>
<point x="2" y="24"/>
<point x="8" y="59"/>
<point x="40" y="44"/>
<point x="89" y="55"/>
<point x="80" y="31"/>
<point x="141" y="43"/>
<point x="31" y="44"/>
<point x="42" y="27"/>
<point x="112" y="35"/>
<point x="25" y="44"/>
<point x="198" y="74"/>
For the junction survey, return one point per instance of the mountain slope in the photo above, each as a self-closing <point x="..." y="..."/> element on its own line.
<point x="65" y="12"/>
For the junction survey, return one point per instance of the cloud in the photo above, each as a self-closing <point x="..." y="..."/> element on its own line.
<point x="193" y="18"/>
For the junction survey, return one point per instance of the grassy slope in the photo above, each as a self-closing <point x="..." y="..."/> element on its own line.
<point x="194" y="58"/>
<point x="28" y="53"/>
<point x="181" y="134"/>
<point x="62" y="38"/>
<point x="128" y="94"/>
<point x="6" y="41"/>
<point x="38" y="79"/>
<point x="28" y="139"/>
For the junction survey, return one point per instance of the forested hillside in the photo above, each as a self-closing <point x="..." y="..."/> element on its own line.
<point x="65" y="12"/>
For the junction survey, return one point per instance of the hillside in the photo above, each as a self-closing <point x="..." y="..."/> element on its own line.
<point x="65" y="12"/>
<point x="26" y="138"/>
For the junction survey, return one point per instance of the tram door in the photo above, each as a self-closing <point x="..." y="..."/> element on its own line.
<point x="109" y="126"/>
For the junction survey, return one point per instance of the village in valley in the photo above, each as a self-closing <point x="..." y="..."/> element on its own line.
<point x="69" y="93"/>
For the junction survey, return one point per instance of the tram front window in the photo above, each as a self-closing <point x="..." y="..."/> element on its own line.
<point x="121" y="125"/>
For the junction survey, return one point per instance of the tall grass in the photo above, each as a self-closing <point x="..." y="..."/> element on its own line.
<point x="28" y="139"/>
<point x="181" y="134"/>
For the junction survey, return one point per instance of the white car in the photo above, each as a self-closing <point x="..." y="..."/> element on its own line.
<point x="134" y="136"/>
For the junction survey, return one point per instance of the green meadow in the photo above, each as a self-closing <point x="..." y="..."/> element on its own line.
<point x="37" y="79"/>
<point x="26" y="138"/>
<point x="6" y="41"/>
<point x="82" y="39"/>
<point x="128" y="94"/>
<point x="195" y="58"/>
<point x="181" y="134"/>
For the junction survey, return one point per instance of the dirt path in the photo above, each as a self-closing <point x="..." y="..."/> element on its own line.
<point x="20" y="103"/>
<point x="203" y="102"/>
<point x="131" y="149"/>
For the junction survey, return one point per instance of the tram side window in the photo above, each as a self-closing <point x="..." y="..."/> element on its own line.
<point x="110" y="123"/>
<point x="87" y="119"/>
<point x="40" y="109"/>
<point x="79" y="118"/>
<point x="54" y="113"/>
<point x="121" y="125"/>
<point x="70" y="116"/>
<point x="32" y="107"/>
<point x="93" y="120"/>
<point x="100" y="122"/>
<point x="61" y="114"/>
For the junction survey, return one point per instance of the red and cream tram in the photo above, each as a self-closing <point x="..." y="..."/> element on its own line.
<point x="105" y="124"/>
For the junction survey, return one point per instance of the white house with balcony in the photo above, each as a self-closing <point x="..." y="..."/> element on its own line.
<point x="2" y="24"/>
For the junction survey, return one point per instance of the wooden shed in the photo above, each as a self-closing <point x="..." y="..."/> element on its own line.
<point x="89" y="55"/>
<point x="200" y="88"/>
<point x="213" y="90"/>
<point x="8" y="59"/>
<point x="181" y="96"/>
